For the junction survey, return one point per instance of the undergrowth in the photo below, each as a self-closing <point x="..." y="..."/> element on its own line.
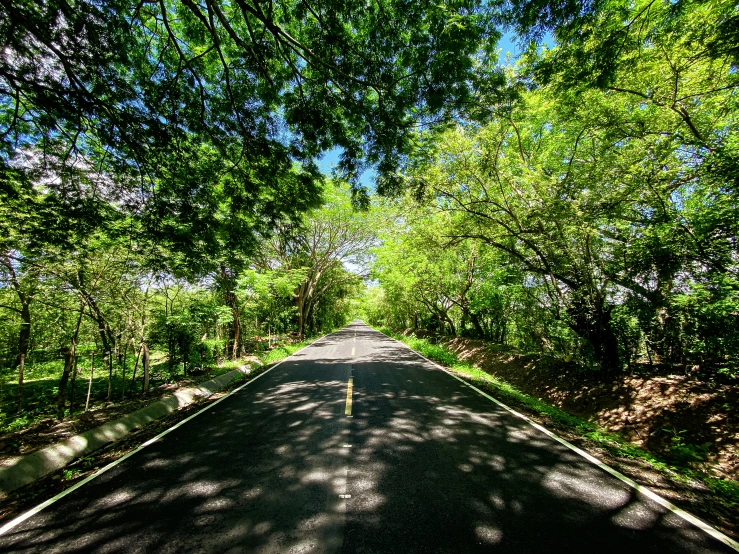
<point x="41" y="387"/>
<point x="283" y="351"/>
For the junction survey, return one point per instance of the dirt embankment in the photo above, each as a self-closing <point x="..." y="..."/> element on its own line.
<point x="661" y="413"/>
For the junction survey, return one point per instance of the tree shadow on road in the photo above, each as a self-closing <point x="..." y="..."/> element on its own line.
<point x="431" y="466"/>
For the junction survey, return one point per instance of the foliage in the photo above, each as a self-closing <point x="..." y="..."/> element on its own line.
<point x="205" y="119"/>
<point x="283" y="352"/>
<point x="728" y="489"/>
<point x="162" y="211"/>
<point x="591" y="206"/>
<point x="324" y="259"/>
<point x="104" y="298"/>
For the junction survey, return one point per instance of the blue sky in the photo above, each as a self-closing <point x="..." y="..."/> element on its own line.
<point x="507" y="44"/>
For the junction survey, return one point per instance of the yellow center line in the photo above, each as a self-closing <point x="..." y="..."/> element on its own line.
<point x="349" y="387"/>
<point x="352" y="351"/>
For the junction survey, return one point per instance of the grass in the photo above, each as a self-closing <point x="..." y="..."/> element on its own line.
<point x="611" y="442"/>
<point x="41" y="387"/>
<point x="727" y="489"/>
<point x="283" y="351"/>
<point x="41" y="384"/>
<point x="227" y="365"/>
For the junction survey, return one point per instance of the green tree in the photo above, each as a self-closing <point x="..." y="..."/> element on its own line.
<point x="331" y="237"/>
<point x="166" y="101"/>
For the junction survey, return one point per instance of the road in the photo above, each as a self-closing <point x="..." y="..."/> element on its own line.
<point x="422" y="464"/>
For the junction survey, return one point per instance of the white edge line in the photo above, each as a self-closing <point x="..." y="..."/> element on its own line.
<point x="687" y="516"/>
<point x="33" y="511"/>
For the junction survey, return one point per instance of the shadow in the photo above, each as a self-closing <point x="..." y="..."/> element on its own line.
<point x="431" y="466"/>
<point x="677" y="416"/>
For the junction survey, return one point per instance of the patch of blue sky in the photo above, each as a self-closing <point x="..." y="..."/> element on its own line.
<point x="330" y="160"/>
<point x="511" y="43"/>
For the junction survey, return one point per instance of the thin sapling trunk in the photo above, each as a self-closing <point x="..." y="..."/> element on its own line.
<point x="145" y="362"/>
<point x="74" y="380"/>
<point x="89" y="385"/>
<point x="70" y="355"/>
<point x="21" y="365"/>
<point x="135" y="367"/>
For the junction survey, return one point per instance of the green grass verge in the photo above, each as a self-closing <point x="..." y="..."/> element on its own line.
<point x="283" y="351"/>
<point x="613" y="443"/>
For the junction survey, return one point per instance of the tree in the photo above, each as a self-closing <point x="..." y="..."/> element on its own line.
<point x="23" y="286"/>
<point x="141" y="91"/>
<point x="603" y="193"/>
<point x="331" y="237"/>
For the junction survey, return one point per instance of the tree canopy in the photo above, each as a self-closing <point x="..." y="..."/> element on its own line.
<point x="160" y="186"/>
<point x="203" y="120"/>
<point x="611" y="189"/>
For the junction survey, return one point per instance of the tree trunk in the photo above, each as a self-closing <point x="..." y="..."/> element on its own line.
<point x="145" y="363"/>
<point x="592" y="321"/>
<point x="301" y="321"/>
<point x="235" y="334"/>
<point x="117" y="348"/>
<point x="21" y="366"/>
<point x="665" y="336"/>
<point x="89" y="384"/>
<point x="106" y="335"/>
<point x="452" y="328"/>
<point x="74" y="380"/>
<point x="502" y="332"/>
<point x="300" y="305"/>
<point x="309" y="317"/>
<point x="69" y="356"/>
<point x="476" y="323"/>
<point x="303" y="297"/>
<point x="108" y="360"/>
<point x="171" y="350"/>
<point x="123" y="377"/>
<point x="24" y="338"/>
<point x="227" y="281"/>
<point x="24" y="335"/>
<point x="135" y="368"/>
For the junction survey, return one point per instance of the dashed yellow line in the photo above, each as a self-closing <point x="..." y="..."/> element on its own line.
<point x="352" y="351"/>
<point x="349" y="387"/>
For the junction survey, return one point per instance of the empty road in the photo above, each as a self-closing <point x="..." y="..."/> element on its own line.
<point x="356" y="444"/>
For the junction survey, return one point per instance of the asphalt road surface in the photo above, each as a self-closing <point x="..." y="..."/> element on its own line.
<point x="423" y="463"/>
